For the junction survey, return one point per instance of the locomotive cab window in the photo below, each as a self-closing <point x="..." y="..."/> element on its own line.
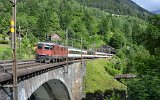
<point x="40" y="46"/>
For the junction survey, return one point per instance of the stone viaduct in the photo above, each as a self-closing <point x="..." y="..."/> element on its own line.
<point x="63" y="83"/>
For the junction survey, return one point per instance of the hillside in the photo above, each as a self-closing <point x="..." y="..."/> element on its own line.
<point x="121" y="7"/>
<point x="40" y="18"/>
<point x="99" y="79"/>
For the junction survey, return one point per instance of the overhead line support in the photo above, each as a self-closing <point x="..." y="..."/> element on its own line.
<point x="13" y="45"/>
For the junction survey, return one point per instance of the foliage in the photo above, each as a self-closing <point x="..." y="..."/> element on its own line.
<point x="117" y="41"/>
<point x="146" y="86"/>
<point x="26" y="49"/>
<point x="152" y="36"/>
<point x="5" y="52"/>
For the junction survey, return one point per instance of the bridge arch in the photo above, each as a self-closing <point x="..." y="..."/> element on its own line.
<point x="44" y="81"/>
<point x="51" y="90"/>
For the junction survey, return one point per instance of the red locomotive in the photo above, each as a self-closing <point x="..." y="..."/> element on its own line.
<point x="50" y="52"/>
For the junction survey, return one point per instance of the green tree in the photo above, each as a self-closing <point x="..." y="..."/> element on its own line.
<point x="54" y="24"/>
<point x="146" y="86"/>
<point x="105" y="25"/>
<point x="152" y="35"/>
<point x="117" y="41"/>
<point x="90" y="23"/>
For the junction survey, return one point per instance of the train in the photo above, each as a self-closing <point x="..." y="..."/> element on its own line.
<point x="52" y="52"/>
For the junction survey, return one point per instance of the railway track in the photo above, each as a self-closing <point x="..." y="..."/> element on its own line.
<point x="22" y="68"/>
<point x="10" y="61"/>
<point x="7" y="65"/>
<point x="27" y="68"/>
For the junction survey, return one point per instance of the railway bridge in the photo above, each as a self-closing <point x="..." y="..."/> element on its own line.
<point x="39" y="81"/>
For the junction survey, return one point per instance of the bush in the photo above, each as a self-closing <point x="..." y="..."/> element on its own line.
<point x="7" y="54"/>
<point x="3" y="42"/>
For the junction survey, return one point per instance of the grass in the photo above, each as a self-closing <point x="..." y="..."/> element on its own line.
<point x="99" y="76"/>
<point x="4" y="47"/>
<point x="5" y="52"/>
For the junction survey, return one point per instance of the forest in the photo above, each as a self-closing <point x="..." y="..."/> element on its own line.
<point x="120" y="7"/>
<point x="36" y="20"/>
<point x="135" y="36"/>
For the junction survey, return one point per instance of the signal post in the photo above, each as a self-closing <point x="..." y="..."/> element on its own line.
<point x="13" y="45"/>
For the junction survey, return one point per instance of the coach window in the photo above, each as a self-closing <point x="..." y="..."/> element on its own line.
<point x="47" y="47"/>
<point x="51" y="47"/>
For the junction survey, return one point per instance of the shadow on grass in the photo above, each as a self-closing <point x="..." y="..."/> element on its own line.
<point x="107" y="95"/>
